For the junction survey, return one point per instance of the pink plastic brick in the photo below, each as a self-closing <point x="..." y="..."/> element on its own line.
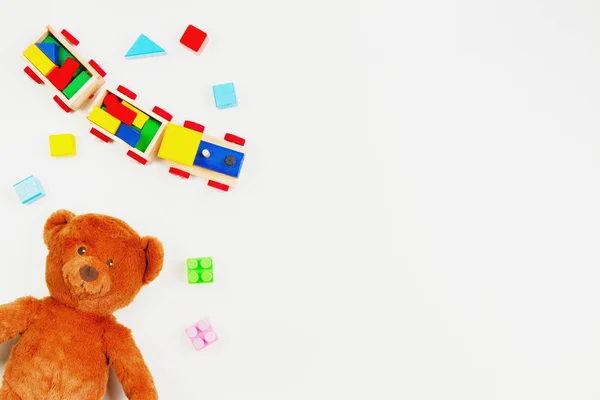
<point x="201" y="334"/>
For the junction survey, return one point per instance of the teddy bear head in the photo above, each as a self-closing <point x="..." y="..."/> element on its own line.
<point x="96" y="263"/>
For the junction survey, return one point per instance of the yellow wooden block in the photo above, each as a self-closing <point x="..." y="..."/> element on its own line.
<point x="62" y="145"/>
<point x="141" y="118"/>
<point x="104" y="120"/>
<point x="39" y="59"/>
<point x="180" y="144"/>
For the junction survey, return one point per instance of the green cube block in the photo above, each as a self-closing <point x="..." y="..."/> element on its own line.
<point x="147" y="134"/>
<point x="63" y="53"/>
<point x="76" y="84"/>
<point x="200" y="270"/>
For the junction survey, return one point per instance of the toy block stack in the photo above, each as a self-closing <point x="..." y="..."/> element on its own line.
<point x="119" y="118"/>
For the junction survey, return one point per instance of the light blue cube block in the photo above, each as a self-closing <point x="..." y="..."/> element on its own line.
<point x="225" y="95"/>
<point x="29" y="190"/>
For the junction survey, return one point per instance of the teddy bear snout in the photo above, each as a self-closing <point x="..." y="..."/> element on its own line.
<point x="88" y="273"/>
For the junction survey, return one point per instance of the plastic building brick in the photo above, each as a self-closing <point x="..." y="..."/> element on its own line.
<point x="219" y="159"/>
<point x="39" y="59"/>
<point x="225" y="95"/>
<point x="144" y="46"/>
<point x="147" y="134"/>
<point x="128" y="135"/>
<point x="76" y="84"/>
<point x="200" y="270"/>
<point x="201" y="334"/>
<point x="50" y="50"/>
<point x="193" y="38"/>
<point x="63" y="145"/>
<point x="140" y="118"/>
<point x="29" y="190"/>
<point x="118" y="110"/>
<point x="104" y="120"/>
<point x="180" y="144"/>
<point x="62" y="76"/>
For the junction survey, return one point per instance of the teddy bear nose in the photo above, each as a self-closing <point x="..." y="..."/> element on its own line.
<point x="88" y="273"/>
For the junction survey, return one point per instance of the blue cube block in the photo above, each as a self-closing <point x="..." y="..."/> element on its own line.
<point x="50" y="50"/>
<point x="128" y="135"/>
<point x="225" y="95"/>
<point x="29" y="190"/>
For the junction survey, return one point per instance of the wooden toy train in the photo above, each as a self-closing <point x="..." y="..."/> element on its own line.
<point x="116" y="117"/>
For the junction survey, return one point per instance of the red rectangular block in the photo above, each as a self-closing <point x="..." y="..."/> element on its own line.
<point x="118" y="110"/>
<point x="61" y="77"/>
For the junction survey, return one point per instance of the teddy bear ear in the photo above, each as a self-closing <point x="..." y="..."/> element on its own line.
<point x="58" y="220"/>
<point x="154" y="258"/>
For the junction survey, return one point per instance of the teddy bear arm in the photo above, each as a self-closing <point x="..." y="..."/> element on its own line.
<point x="15" y="317"/>
<point x="128" y="363"/>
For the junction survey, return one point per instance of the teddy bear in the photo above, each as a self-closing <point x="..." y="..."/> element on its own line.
<point x="96" y="264"/>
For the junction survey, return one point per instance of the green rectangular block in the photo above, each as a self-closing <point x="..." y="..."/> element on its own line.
<point x="76" y="84"/>
<point x="147" y="134"/>
<point x="63" y="53"/>
<point x="200" y="270"/>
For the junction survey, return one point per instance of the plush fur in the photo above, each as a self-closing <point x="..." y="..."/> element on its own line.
<point x="69" y="340"/>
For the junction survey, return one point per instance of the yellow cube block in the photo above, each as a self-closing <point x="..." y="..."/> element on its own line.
<point x="140" y="119"/>
<point x="39" y="59"/>
<point x="62" y="145"/>
<point x="180" y="144"/>
<point x="104" y="120"/>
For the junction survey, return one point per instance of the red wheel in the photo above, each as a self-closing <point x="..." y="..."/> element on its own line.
<point x="194" y="126"/>
<point x="100" y="135"/>
<point x="61" y="104"/>
<point x="179" y="173"/>
<point x="218" y="185"/>
<point x="72" y="39"/>
<point x="137" y="157"/>
<point x="33" y="76"/>
<point x="127" y="92"/>
<point x="98" y="69"/>
<point x="162" y="113"/>
<point x="235" y="139"/>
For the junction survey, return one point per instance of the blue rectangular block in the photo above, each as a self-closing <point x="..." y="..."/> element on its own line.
<point x="128" y="135"/>
<point x="221" y="159"/>
<point x="50" y="50"/>
<point x="225" y="95"/>
<point x="29" y="190"/>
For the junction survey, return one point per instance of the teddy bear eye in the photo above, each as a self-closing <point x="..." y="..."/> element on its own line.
<point x="81" y="250"/>
<point x="109" y="262"/>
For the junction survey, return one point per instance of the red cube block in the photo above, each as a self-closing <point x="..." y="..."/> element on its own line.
<point x="193" y="38"/>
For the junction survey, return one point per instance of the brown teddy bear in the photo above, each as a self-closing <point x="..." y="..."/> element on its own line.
<point x="96" y="265"/>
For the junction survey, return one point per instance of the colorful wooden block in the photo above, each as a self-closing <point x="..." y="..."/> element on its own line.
<point x="201" y="334"/>
<point x="63" y="145"/>
<point x="140" y="118"/>
<point x="147" y="134"/>
<point x="128" y="135"/>
<point x="62" y="76"/>
<point x="118" y="110"/>
<point x="50" y="50"/>
<point x="193" y="38"/>
<point x="29" y="190"/>
<point x="104" y="120"/>
<point x="144" y="46"/>
<point x="39" y="60"/>
<point x="76" y="84"/>
<point x="200" y="270"/>
<point x="180" y="144"/>
<point x="219" y="159"/>
<point x="225" y="95"/>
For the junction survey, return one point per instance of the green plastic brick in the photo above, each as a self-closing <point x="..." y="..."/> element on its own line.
<point x="148" y="132"/>
<point x="76" y="84"/>
<point x="200" y="270"/>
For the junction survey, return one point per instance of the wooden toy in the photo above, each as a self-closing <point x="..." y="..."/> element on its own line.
<point x="193" y="38"/>
<point x="200" y="270"/>
<point x="62" y="145"/>
<point x="61" y="77"/>
<point x="79" y="88"/>
<point x="144" y="46"/>
<point x="201" y="334"/>
<point x="143" y="139"/>
<point x="50" y="50"/>
<point x="225" y="95"/>
<point x="29" y="190"/>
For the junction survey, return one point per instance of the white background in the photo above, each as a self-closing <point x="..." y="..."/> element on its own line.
<point x="418" y="214"/>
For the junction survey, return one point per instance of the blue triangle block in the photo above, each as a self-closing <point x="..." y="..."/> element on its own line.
<point x="143" y="46"/>
<point x="50" y="50"/>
